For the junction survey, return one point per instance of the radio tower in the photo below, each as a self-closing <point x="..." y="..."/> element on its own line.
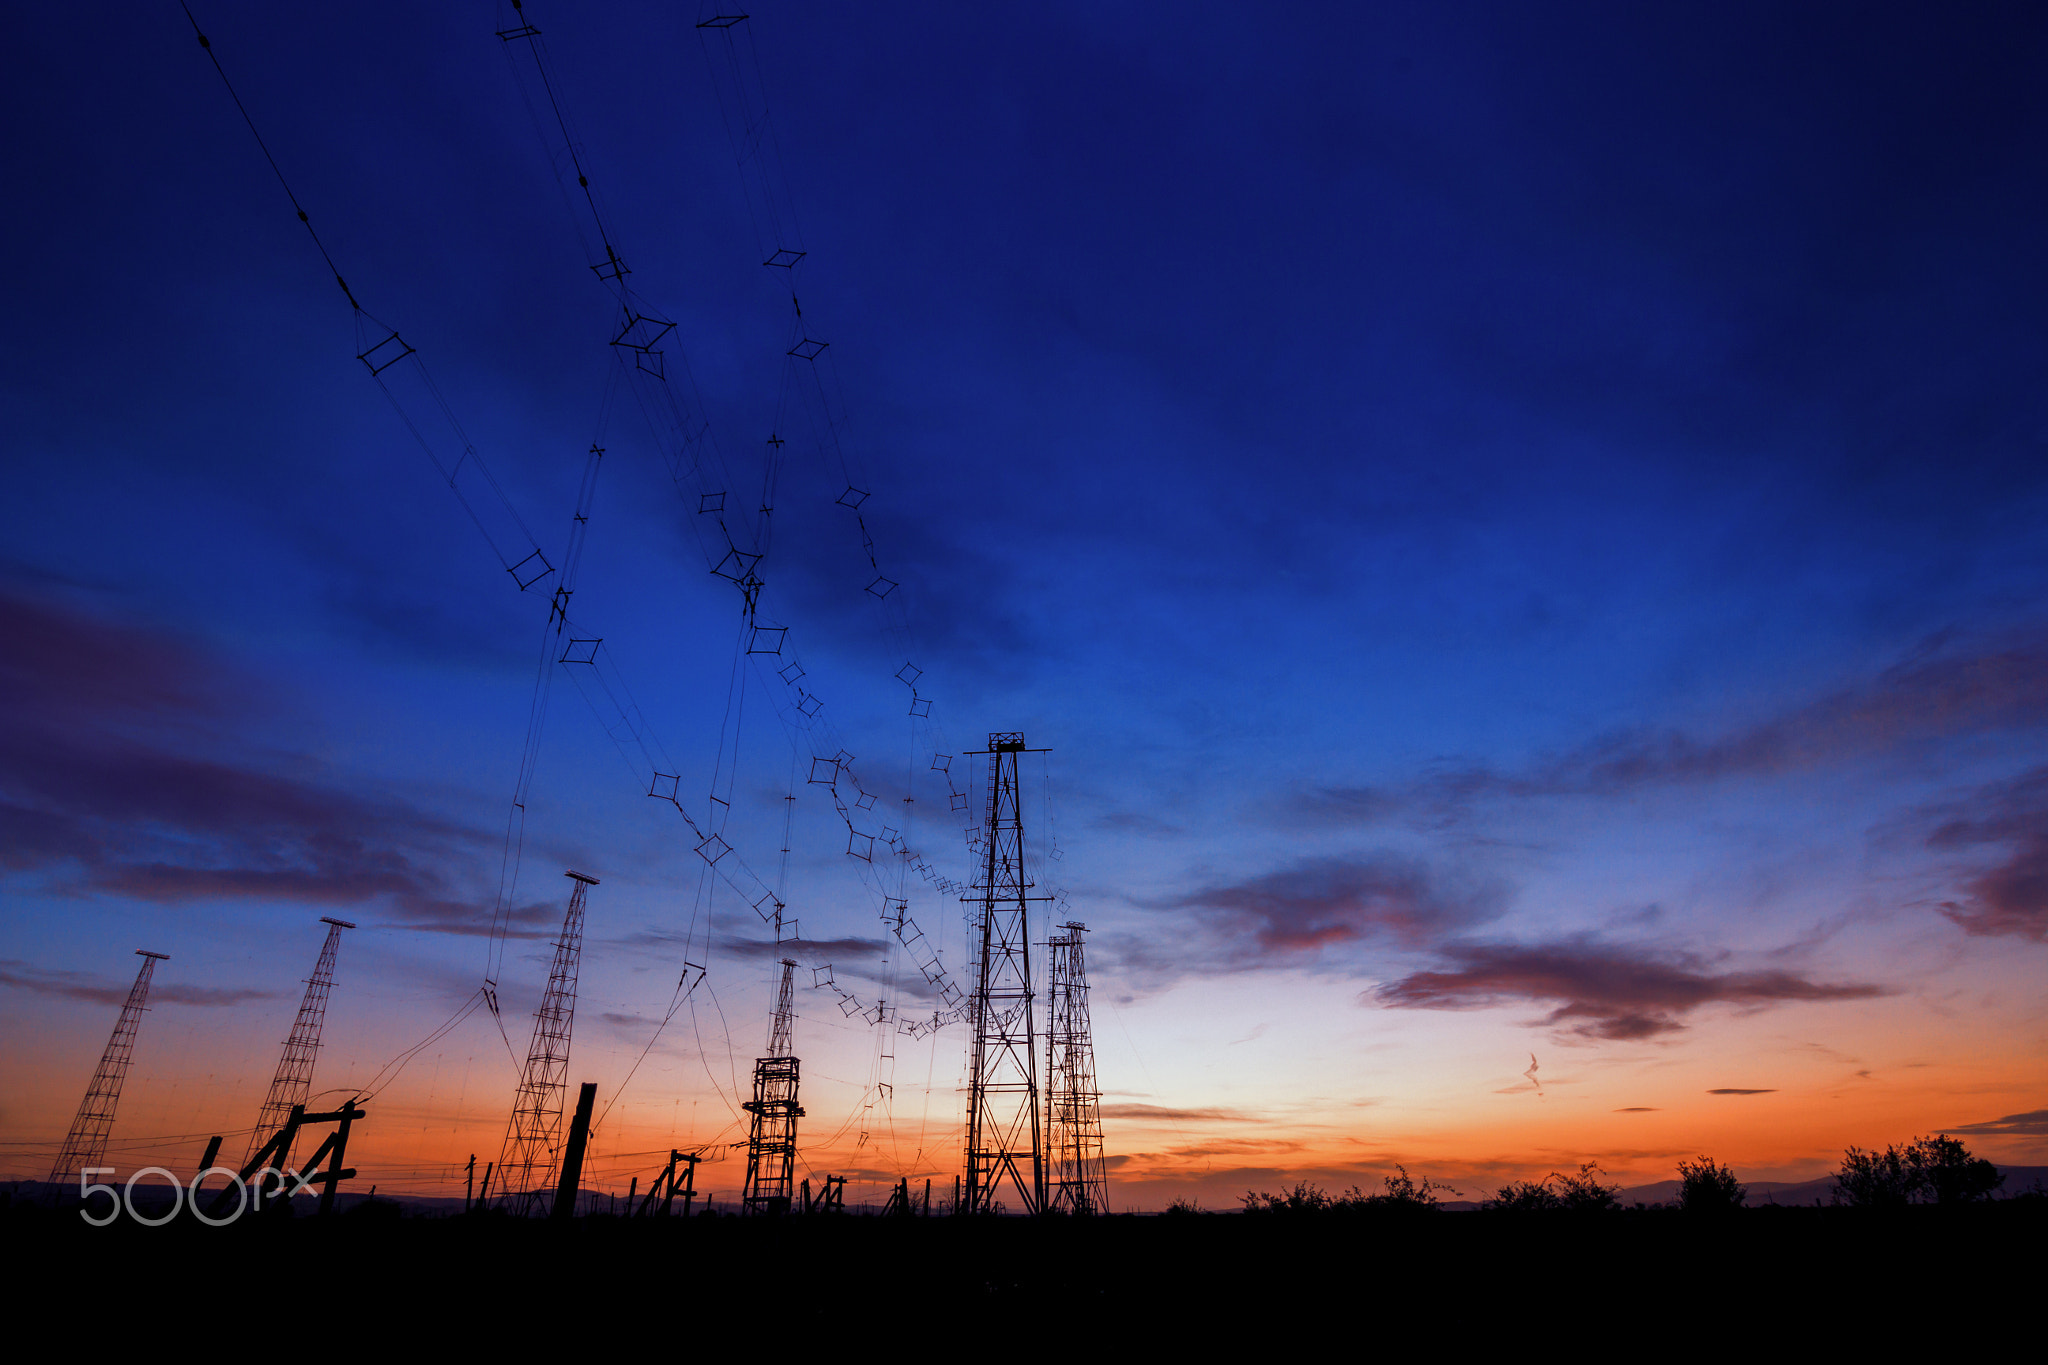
<point x="293" y="1082"/>
<point x="86" y="1143"/>
<point x="1073" y="1116"/>
<point x="533" y="1142"/>
<point x="1003" y="1137"/>
<point x="771" y="1144"/>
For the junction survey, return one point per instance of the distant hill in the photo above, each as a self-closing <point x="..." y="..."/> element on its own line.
<point x="2018" y="1180"/>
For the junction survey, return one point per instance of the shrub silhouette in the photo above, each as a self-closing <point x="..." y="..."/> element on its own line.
<point x="1403" y="1194"/>
<point x="1580" y="1193"/>
<point x="1948" y="1174"/>
<point x="1705" y="1186"/>
<point x="1928" y="1170"/>
<point x="1303" y="1198"/>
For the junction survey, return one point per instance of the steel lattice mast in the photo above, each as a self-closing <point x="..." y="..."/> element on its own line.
<point x="1003" y="1137"/>
<point x="533" y="1142"/>
<point x="86" y="1143"/>
<point x="1076" y="1182"/>
<point x="771" y="1143"/>
<point x="293" y="1083"/>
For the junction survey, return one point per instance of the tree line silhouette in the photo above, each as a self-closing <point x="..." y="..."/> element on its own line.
<point x="1927" y="1170"/>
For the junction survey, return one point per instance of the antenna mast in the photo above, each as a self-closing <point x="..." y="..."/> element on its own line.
<point x="86" y="1143"/>
<point x="1073" y="1116"/>
<point x="293" y="1083"/>
<point x="771" y="1144"/>
<point x="533" y="1143"/>
<point x="1002" y="1099"/>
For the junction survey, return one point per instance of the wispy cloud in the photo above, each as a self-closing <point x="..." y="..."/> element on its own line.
<point x="1321" y="901"/>
<point x="1165" y="1114"/>
<point x="2033" y="1123"/>
<point x="79" y="986"/>
<point x="1600" y="990"/>
<point x="2009" y="899"/>
<point x="1940" y="693"/>
<point x="99" y="785"/>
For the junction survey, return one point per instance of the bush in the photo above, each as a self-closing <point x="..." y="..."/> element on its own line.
<point x="1303" y="1198"/>
<point x="1580" y="1193"/>
<point x="1946" y="1173"/>
<point x="1181" y="1208"/>
<point x="1874" y="1180"/>
<point x="1705" y="1186"/>
<point x="1524" y="1196"/>
<point x="1404" y="1194"/>
<point x="1928" y="1170"/>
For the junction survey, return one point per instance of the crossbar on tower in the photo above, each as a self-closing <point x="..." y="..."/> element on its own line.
<point x="1003" y="1136"/>
<point x="86" y="1143"/>
<point x="771" y="1141"/>
<point x="532" y="1154"/>
<point x="293" y="1082"/>
<point x="1076" y="1181"/>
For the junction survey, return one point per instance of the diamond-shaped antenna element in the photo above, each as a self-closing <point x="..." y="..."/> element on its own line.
<point x="385" y="354"/>
<point x="808" y="349"/>
<point x="910" y="673"/>
<point x="710" y="502"/>
<point x="784" y="258"/>
<point x="530" y="570"/>
<point x="882" y="587"/>
<point x="790" y="672"/>
<point x="921" y="707"/>
<point x="737" y="565"/>
<point x="581" y="651"/>
<point x="852" y="497"/>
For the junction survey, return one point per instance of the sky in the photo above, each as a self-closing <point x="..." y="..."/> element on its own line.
<point x="1518" y="533"/>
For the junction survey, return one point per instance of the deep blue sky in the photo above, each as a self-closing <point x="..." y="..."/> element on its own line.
<point x="1447" y="482"/>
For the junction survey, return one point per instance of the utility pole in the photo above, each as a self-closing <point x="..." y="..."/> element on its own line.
<point x="293" y="1082"/>
<point x="86" y="1143"/>
<point x="1003" y="1137"/>
<point x="533" y="1142"/>
<point x="1078" y="1182"/>
<point x="771" y="1143"/>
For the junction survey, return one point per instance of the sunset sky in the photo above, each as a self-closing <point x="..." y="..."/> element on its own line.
<point x="1521" y="530"/>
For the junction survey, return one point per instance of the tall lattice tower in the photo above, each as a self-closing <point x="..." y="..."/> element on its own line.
<point x="293" y="1082"/>
<point x="771" y="1144"/>
<point x="533" y="1142"/>
<point x="1076" y="1181"/>
<point x="1003" y="1137"/>
<point x="86" y="1143"/>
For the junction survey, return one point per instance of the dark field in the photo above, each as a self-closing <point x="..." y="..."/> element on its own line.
<point x="1691" y="1282"/>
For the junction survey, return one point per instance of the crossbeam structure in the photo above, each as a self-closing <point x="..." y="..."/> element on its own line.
<point x="771" y="1140"/>
<point x="1004" y="1141"/>
<point x="531" y="1160"/>
<point x="86" y="1144"/>
<point x="292" y="1084"/>
<point x="1076" y="1181"/>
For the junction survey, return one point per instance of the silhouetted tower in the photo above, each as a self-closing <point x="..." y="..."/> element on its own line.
<point x="293" y="1083"/>
<point x="1075" y="1182"/>
<point x="86" y="1143"/>
<point x="771" y="1144"/>
<point x="1003" y="1137"/>
<point x="533" y="1143"/>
